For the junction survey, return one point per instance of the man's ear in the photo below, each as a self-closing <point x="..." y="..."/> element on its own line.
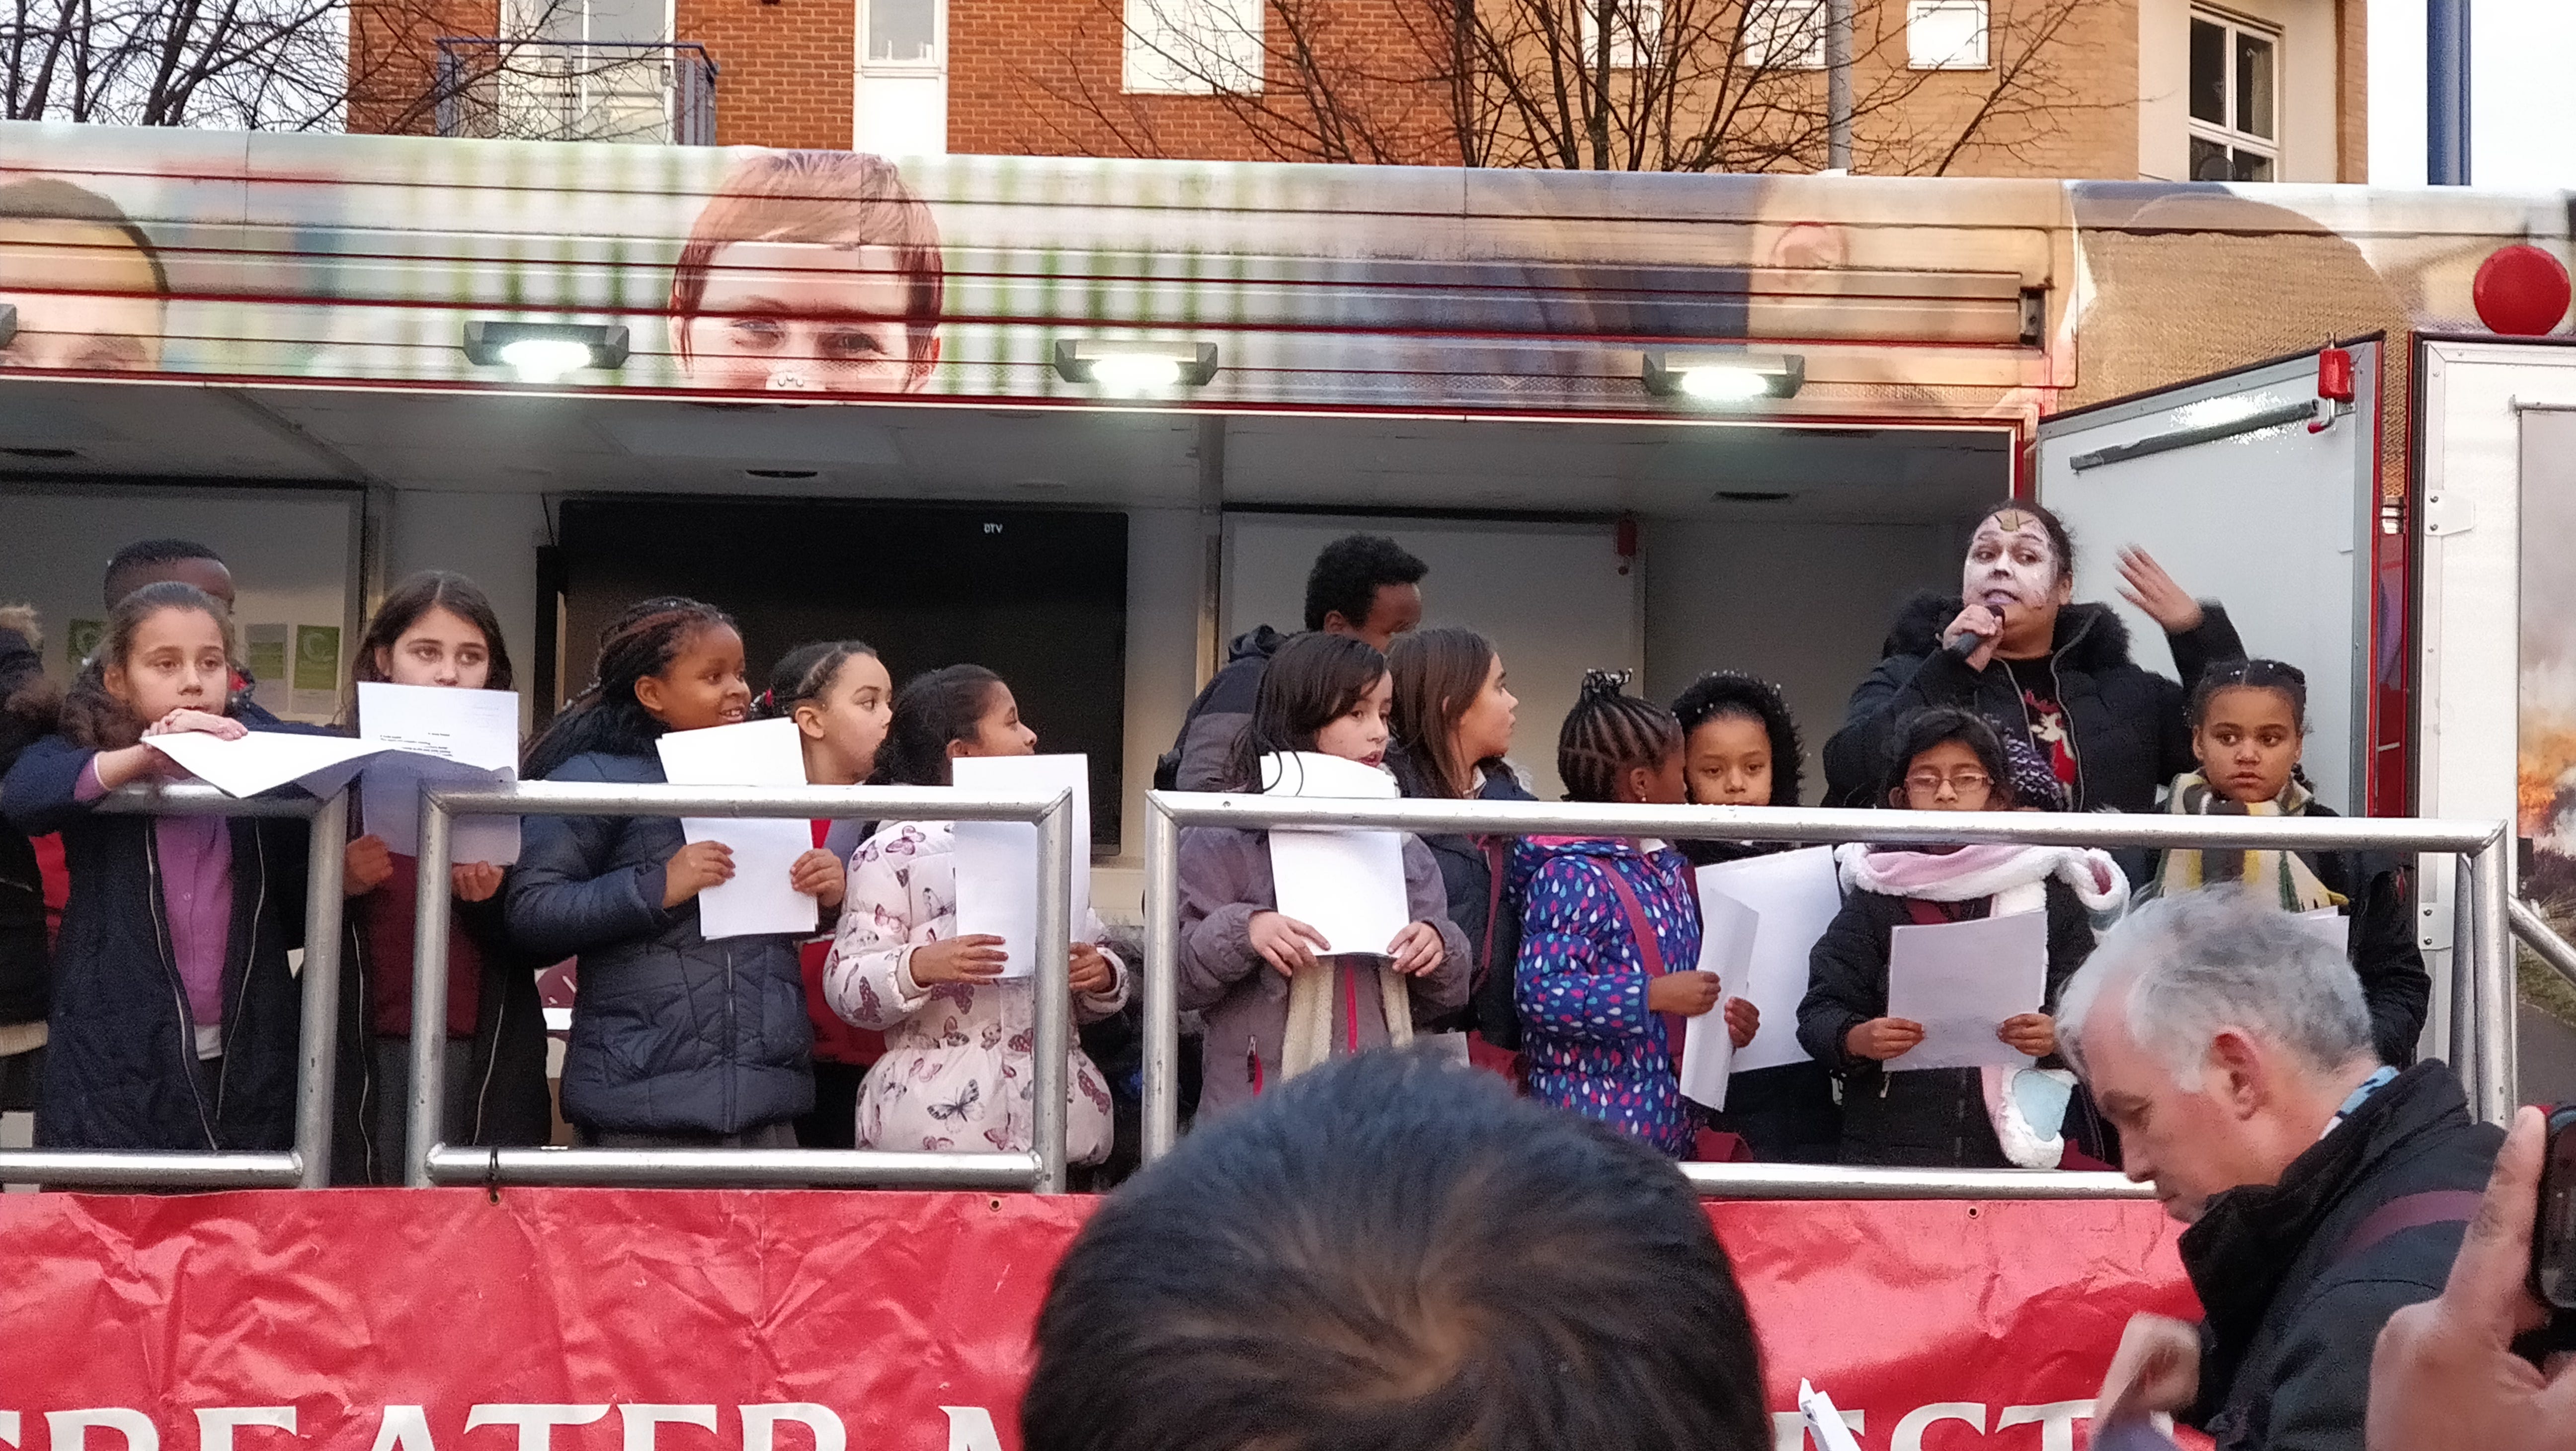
<point x="2243" y="1080"/>
<point x="1335" y="624"/>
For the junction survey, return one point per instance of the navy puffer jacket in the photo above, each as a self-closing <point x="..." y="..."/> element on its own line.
<point x="120" y="1055"/>
<point x="671" y="1033"/>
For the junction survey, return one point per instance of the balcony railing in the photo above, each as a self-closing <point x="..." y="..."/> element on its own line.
<point x="650" y="92"/>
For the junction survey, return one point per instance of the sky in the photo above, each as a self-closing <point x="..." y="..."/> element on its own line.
<point x="2522" y="123"/>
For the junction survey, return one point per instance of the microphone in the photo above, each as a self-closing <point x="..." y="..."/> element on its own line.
<point x="1967" y="645"/>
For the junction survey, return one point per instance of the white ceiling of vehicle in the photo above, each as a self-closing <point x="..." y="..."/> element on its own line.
<point x="494" y="442"/>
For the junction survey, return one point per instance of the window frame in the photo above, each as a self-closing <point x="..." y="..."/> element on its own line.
<point x="1981" y="58"/>
<point x="2227" y="135"/>
<point x="1142" y="57"/>
<point x="936" y="66"/>
<point x="1761" y="35"/>
<point x="1629" y="49"/>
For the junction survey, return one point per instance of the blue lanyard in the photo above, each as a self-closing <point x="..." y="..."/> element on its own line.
<point x="2361" y="1095"/>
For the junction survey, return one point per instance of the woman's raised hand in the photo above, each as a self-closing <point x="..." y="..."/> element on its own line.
<point x="2144" y="583"/>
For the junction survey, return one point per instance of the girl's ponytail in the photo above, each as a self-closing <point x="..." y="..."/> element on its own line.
<point x="1608" y="733"/>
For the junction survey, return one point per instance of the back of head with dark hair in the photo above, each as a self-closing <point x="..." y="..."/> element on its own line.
<point x="643" y="640"/>
<point x="1349" y="573"/>
<point x="1734" y="695"/>
<point x="98" y="721"/>
<point x="1925" y="729"/>
<point x="1609" y="733"/>
<point x="143" y="554"/>
<point x="930" y="711"/>
<point x="1313" y="679"/>
<point x="1438" y="675"/>
<point x="433" y="589"/>
<point x="1393" y="1254"/>
<point x="804" y="673"/>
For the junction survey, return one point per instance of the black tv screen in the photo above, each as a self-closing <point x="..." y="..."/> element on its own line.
<point x="1037" y="595"/>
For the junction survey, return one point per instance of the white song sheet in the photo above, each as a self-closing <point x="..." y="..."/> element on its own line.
<point x="1961" y="980"/>
<point x="762" y="897"/>
<point x="1794" y="894"/>
<point x="265" y="760"/>
<point x="1348" y="885"/>
<point x="997" y="861"/>
<point x="438" y="736"/>
<point x="1727" y="931"/>
<point x="2330" y="925"/>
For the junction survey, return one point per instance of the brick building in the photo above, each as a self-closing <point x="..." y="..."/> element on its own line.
<point x="2251" y="90"/>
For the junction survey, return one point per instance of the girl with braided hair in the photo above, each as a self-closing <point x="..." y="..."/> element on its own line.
<point x="676" y="1041"/>
<point x="1610" y="933"/>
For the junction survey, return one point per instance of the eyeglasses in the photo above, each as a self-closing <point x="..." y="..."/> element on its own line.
<point x="1965" y="783"/>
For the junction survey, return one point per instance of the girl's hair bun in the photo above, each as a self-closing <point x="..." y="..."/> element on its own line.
<point x="1597" y="683"/>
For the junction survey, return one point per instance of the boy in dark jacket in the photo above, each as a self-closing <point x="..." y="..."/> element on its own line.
<point x="28" y="705"/>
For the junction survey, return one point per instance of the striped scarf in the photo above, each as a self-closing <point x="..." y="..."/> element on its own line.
<point x="2279" y="875"/>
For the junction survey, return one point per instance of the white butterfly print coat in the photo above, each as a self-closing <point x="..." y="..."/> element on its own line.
<point x="956" y="1074"/>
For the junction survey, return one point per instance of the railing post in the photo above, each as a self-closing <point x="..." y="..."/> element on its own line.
<point x="2498" y="1069"/>
<point x="1050" y="1079"/>
<point x="1162" y="1108"/>
<point x="428" y="995"/>
<point x="2464" y="976"/>
<point x="317" y="1074"/>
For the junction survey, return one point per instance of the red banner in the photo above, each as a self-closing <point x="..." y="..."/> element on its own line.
<point x="613" y="1320"/>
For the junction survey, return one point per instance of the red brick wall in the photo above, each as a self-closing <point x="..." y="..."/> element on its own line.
<point x="783" y="70"/>
<point x="393" y="59"/>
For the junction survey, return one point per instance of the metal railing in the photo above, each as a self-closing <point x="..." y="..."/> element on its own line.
<point x="538" y="88"/>
<point x="2481" y="968"/>
<point x="428" y="1160"/>
<point x="308" y="1163"/>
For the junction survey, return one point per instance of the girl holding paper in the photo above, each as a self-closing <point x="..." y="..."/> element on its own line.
<point x="956" y="1071"/>
<point x="174" y="1021"/>
<point x="1947" y="760"/>
<point x="1277" y="1001"/>
<point x="1610" y="937"/>
<point x="438" y="630"/>
<point x="1740" y="747"/>
<point x="676" y="1041"/>
<point x="2249" y="719"/>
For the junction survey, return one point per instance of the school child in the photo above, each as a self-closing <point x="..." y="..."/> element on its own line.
<point x="676" y="1041"/>
<point x="839" y="696"/>
<point x="1451" y="727"/>
<point x="1610" y="936"/>
<point x="1946" y="759"/>
<point x="434" y="629"/>
<point x="1740" y="747"/>
<point x="2249" y="720"/>
<point x="957" y="1072"/>
<point x="174" y="1021"/>
<point x="30" y="707"/>
<point x="1273" y="1005"/>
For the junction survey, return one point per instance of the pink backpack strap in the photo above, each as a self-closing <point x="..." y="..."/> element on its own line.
<point x="1642" y="930"/>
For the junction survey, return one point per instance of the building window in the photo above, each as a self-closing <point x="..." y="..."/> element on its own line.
<point x="1634" y="27"/>
<point x="1193" y="47"/>
<point x="1784" y="35"/>
<point x="1945" y="35"/>
<point x="2235" y="80"/>
<point x="901" y="106"/>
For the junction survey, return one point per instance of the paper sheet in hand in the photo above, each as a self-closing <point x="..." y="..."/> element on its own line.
<point x="997" y="861"/>
<point x="1727" y="931"/>
<point x="1795" y="895"/>
<point x="2330" y="925"/>
<point x="265" y="760"/>
<point x="1348" y="885"/>
<point x="1827" y="1428"/>
<point x="1960" y="980"/>
<point x="762" y="897"/>
<point x="441" y="736"/>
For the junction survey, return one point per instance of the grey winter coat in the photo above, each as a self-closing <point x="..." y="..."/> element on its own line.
<point x="1225" y="880"/>
<point x="671" y="1033"/>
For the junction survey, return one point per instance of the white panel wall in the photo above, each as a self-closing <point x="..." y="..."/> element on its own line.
<point x="292" y="553"/>
<point x="1550" y="597"/>
<point x="490" y="538"/>
<point x="1804" y="606"/>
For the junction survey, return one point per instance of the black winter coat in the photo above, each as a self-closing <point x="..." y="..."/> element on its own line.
<point x="120" y="1052"/>
<point x="1198" y="758"/>
<point x="1932" y="1118"/>
<point x="25" y="711"/>
<point x="2130" y="737"/>
<point x="671" y="1033"/>
<point x="2292" y="1312"/>
<point x="1493" y="939"/>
